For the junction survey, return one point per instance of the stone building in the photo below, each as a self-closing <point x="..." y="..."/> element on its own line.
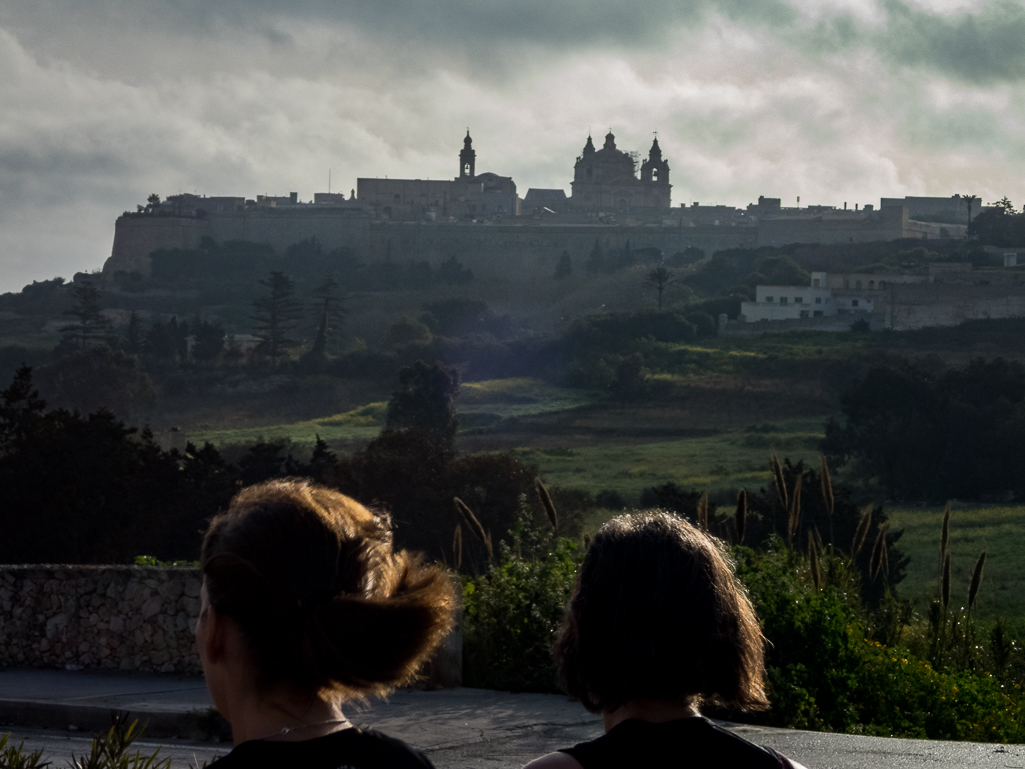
<point x="469" y="196"/>
<point x="606" y="179"/>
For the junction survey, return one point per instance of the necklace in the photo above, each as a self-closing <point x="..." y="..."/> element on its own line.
<point x="290" y="729"/>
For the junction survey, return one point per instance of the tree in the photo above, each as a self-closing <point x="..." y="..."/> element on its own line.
<point x="91" y="324"/>
<point x="660" y="279"/>
<point x="969" y="200"/>
<point x="208" y="340"/>
<point x="596" y="260"/>
<point x="565" y="266"/>
<point x="133" y="335"/>
<point x="424" y="403"/>
<point x="453" y="271"/>
<point x="276" y="316"/>
<point x="330" y="314"/>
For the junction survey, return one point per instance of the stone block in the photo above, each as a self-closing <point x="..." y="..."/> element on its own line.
<point x="152" y="607"/>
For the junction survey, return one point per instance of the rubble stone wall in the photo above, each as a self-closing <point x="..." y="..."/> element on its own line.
<point x="122" y="617"/>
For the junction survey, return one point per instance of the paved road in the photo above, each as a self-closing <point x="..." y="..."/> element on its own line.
<point x="458" y="728"/>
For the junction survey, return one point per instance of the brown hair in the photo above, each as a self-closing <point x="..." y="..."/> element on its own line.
<point x="322" y="599"/>
<point x="658" y="614"/>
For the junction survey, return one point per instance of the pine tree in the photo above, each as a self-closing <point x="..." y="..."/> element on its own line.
<point x="91" y="323"/>
<point x="565" y="266"/>
<point x="330" y="314"/>
<point x="276" y="316"/>
<point x="133" y="335"/>
<point x="596" y="261"/>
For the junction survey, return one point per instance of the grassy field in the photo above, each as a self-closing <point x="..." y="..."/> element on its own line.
<point x="997" y="529"/>
<point x="480" y="406"/>
<point x="720" y="463"/>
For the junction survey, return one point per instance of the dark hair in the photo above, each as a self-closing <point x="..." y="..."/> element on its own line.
<point x="322" y="599"/>
<point x="657" y="613"/>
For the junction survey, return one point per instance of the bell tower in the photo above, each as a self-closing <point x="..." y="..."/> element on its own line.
<point x="467" y="158"/>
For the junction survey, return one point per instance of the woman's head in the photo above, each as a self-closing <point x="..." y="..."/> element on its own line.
<point x="321" y="599"/>
<point x="658" y="614"/>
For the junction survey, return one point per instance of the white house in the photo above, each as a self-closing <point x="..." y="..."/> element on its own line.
<point x="796" y="302"/>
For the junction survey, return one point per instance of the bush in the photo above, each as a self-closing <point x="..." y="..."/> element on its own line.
<point x="513" y="610"/>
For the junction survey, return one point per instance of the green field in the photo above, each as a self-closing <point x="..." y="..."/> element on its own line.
<point x="725" y="462"/>
<point x="487" y="405"/>
<point x="997" y="529"/>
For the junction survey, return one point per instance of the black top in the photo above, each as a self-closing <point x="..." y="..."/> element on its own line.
<point x="685" y="743"/>
<point x="347" y="749"/>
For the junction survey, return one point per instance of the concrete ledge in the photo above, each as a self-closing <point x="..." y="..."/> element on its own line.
<point x="189" y="725"/>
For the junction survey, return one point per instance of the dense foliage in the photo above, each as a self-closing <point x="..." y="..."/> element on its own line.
<point x="921" y="434"/>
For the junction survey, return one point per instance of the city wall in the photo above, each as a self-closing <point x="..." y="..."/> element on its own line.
<point x="912" y="307"/>
<point x="496" y="248"/>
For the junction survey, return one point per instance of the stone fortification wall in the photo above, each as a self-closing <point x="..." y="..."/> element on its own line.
<point x="838" y="227"/>
<point x="137" y="236"/>
<point x="920" y="306"/>
<point x="876" y="321"/>
<point x="121" y="617"/>
<point x="488" y="249"/>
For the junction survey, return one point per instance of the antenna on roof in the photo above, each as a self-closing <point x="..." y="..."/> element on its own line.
<point x="329" y="181"/>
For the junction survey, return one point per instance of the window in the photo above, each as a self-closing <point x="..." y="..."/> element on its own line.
<point x="654" y="174"/>
<point x="804" y="313"/>
<point x="871" y="284"/>
<point x="798" y="300"/>
<point x="818" y="300"/>
<point x="882" y="284"/>
<point x="768" y="299"/>
<point x="857" y="284"/>
<point x="782" y="300"/>
<point x="854" y="302"/>
<point x="815" y="283"/>
<point x="818" y="313"/>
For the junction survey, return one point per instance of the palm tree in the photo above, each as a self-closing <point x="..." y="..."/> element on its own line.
<point x="969" y="199"/>
<point x="660" y="279"/>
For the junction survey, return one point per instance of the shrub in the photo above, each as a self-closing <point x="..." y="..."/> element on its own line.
<point x="513" y="610"/>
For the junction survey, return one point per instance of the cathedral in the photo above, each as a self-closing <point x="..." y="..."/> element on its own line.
<point x="606" y="179"/>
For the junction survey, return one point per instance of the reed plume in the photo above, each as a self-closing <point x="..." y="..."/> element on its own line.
<point x="827" y="493"/>
<point x="878" y="551"/>
<point x="794" y="513"/>
<point x="475" y="527"/>
<point x="813" y="560"/>
<point x="861" y="532"/>
<point x="778" y="480"/>
<point x="457" y="546"/>
<point x="741" y="515"/>
<point x="973" y="589"/>
<point x="945" y="532"/>
<point x="945" y="583"/>
<point x="702" y="511"/>
<point x="547" y="504"/>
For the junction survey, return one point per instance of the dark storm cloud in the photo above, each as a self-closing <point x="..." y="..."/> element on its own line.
<point x="984" y="46"/>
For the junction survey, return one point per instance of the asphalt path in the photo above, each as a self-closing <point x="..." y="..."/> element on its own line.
<point x="457" y="728"/>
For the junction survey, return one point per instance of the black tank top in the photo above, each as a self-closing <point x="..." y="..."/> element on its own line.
<point x="348" y="749"/>
<point x="687" y="742"/>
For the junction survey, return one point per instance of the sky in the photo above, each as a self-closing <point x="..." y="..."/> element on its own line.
<point x="103" y="102"/>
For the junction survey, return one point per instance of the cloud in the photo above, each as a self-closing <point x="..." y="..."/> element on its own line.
<point x="851" y="100"/>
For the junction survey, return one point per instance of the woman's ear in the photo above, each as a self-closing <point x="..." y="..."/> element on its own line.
<point x="212" y="638"/>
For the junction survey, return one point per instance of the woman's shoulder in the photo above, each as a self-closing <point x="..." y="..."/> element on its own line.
<point x="658" y="743"/>
<point x="554" y="761"/>
<point x="355" y="747"/>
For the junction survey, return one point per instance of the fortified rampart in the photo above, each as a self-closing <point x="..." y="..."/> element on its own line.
<point x="487" y="248"/>
<point x="502" y="246"/>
